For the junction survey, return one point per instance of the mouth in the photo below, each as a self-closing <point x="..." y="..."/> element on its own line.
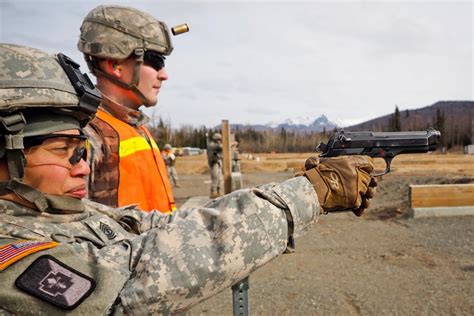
<point x="79" y="192"/>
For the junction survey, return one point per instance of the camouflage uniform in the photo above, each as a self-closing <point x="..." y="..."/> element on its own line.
<point x="170" y="161"/>
<point x="66" y="255"/>
<point x="118" y="33"/>
<point x="148" y="263"/>
<point x="214" y="160"/>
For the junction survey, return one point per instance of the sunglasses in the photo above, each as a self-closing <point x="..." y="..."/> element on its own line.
<point x="154" y="60"/>
<point x="80" y="152"/>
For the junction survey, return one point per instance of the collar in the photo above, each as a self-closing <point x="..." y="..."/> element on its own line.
<point x="123" y="113"/>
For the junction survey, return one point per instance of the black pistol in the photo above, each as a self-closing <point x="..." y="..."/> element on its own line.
<point x="384" y="145"/>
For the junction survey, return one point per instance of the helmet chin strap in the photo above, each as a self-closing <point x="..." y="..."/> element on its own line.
<point x="133" y="86"/>
<point x="16" y="162"/>
<point x="54" y="204"/>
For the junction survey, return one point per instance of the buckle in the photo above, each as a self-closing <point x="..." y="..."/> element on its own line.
<point x="13" y="123"/>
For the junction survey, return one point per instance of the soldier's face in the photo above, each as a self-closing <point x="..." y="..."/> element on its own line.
<point x="49" y="167"/>
<point x="150" y="82"/>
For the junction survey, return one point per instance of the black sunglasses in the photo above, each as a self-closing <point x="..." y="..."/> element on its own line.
<point x="78" y="154"/>
<point x="154" y="60"/>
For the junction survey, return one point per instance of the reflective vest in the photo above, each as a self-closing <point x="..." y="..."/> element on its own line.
<point x="142" y="177"/>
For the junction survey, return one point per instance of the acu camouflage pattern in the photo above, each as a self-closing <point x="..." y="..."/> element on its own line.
<point x="214" y="153"/>
<point x="214" y="160"/>
<point x="30" y="78"/>
<point x="149" y="263"/>
<point x="115" y="32"/>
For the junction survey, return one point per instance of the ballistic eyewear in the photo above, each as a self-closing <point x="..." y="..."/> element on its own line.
<point x="80" y="152"/>
<point x="154" y="60"/>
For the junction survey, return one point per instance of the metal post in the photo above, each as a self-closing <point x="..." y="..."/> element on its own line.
<point x="240" y="298"/>
<point x="240" y="295"/>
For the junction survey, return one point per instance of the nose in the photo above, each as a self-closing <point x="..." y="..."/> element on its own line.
<point x="163" y="74"/>
<point x="81" y="169"/>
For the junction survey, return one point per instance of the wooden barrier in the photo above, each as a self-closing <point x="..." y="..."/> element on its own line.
<point x="441" y="200"/>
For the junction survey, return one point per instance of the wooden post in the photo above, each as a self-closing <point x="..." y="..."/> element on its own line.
<point x="226" y="156"/>
<point x="240" y="294"/>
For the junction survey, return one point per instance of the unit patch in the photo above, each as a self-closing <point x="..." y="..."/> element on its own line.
<point x="50" y="280"/>
<point x="13" y="252"/>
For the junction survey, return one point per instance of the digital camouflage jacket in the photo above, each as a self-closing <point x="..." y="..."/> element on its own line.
<point x="125" y="261"/>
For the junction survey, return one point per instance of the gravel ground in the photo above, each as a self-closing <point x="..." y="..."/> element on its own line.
<point x="382" y="263"/>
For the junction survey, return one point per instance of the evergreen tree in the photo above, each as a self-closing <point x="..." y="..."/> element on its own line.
<point x="394" y="122"/>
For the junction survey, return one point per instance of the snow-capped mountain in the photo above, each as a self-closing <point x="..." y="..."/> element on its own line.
<point x="298" y="124"/>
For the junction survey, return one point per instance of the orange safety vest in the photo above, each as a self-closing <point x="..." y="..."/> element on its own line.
<point x="143" y="177"/>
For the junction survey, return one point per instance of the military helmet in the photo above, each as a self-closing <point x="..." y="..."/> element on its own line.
<point x="217" y="136"/>
<point x="32" y="79"/>
<point x="40" y="94"/>
<point x="115" y="32"/>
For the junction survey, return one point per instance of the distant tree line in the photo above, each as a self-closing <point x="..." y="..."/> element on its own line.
<point x="250" y="140"/>
<point x="281" y="140"/>
<point x="453" y="133"/>
<point x="185" y="136"/>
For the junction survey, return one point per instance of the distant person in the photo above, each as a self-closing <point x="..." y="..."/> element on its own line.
<point x="170" y="161"/>
<point x="125" y="49"/>
<point x="214" y="159"/>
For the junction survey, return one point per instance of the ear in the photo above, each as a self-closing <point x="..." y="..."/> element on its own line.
<point x="112" y="67"/>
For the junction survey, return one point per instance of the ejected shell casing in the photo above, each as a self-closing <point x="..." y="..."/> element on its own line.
<point x="180" y="29"/>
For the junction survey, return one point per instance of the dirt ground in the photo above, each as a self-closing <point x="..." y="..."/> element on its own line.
<point x="381" y="263"/>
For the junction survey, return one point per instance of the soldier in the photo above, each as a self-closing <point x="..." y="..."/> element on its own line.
<point x="61" y="253"/>
<point x="125" y="49"/>
<point x="170" y="161"/>
<point x="214" y="160"/>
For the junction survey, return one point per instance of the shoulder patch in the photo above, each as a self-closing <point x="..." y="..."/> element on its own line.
<point x="12" y="252"/>
<point x="52" y="281"/>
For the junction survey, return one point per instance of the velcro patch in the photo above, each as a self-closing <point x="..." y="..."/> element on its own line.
<point x="11" y="253"/>
<point x="52" y="281"/>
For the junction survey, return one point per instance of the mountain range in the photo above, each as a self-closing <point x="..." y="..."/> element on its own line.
<point x="458" y="117"/>
<point x="300" y="125"/>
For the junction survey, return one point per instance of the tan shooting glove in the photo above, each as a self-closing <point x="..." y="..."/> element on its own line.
<point x="342" y="183"/>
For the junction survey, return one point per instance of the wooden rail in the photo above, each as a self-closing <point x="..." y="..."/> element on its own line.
<point x="441" y="200"/>
<point x="441" y="195"/>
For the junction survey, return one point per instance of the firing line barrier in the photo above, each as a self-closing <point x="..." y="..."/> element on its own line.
<point x="441" y="200"/>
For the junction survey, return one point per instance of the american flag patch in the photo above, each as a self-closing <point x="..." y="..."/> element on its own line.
<point x="11" y="253"/>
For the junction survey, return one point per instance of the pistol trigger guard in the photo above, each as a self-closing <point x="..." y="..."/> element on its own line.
<point x="388" y="163"/>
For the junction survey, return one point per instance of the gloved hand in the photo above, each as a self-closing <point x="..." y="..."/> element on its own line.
<point x="342" y="183"/>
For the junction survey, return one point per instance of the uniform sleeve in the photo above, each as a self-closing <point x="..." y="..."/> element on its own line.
<point x="193" y="254"/>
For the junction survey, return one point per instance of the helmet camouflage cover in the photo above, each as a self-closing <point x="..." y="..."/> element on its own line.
<point x="115" y="32"/>
<point x="32" y="79"/>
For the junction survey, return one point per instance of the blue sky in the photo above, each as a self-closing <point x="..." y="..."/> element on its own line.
<point x="267" y="61"/>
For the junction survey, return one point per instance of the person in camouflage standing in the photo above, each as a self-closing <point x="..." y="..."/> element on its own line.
<point x="214" y="160"/>
<point x="125" y="49"/>
<point x="170" y="161"/>
<point x="61" y="253"/>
